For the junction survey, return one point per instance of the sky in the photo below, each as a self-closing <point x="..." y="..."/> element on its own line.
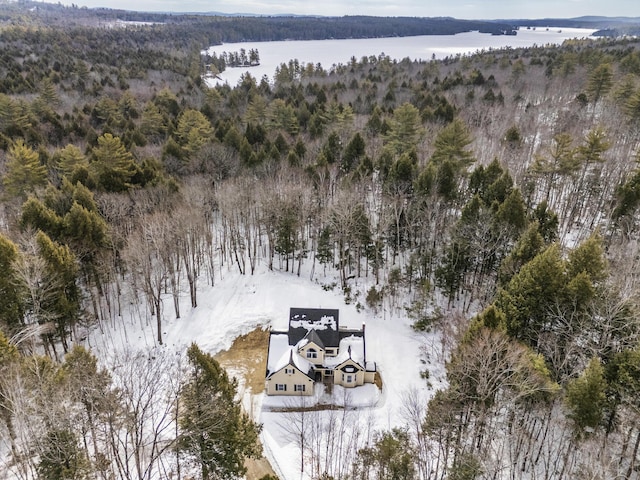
<point x="464" y="9"/>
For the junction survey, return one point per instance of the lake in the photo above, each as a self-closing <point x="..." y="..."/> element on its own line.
<point x="425" y="47"/>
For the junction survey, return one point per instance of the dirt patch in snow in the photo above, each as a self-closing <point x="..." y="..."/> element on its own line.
<point x="248" y="356"/>
<point x="377" y="380"/>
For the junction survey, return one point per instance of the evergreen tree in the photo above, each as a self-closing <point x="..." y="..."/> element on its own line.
<point x="560" y="159"/>
<point x="61" y="458"/>
<point x="324" y="253"/>
<point x="353" y="152"/>
<point x="391" y="457"/>
<point x="588" y="257"/>
<point x="214" y="431"/>
<point x="193" y="131"/>
<point x="405" y="129"/>
<point x="282" y="116"/>
<point x="512" y="212"/>
<point x="70" y="159"/>
<point x="62" y="269"/>
<point x="600" y="82"/>
<point x="25" y="174"/>
<point x="113" y="164"/>
<point x="14" y="118"/>
<point x="586" y="399"/>
<point x="547" y="222"/>
<point x="527" y="247"/>
<point x="451" y="145"/>
<point x="627" y="197"/>
<point x="84" y="229"/>
<point x="48" y="94"/>
<point x="154" y="125"/>
<point x="37" y="215"/>
<point x="526" y="299"/>
<point x="11" y="303"/>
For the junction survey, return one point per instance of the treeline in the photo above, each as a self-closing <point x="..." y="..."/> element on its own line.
<point x="226" y="29"/>
<point x="494" y="197"/>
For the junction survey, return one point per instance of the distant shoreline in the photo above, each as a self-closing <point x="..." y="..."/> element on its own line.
<point x="332" y="52"/>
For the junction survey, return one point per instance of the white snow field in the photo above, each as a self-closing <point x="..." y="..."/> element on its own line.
<point x="238" y="304"/>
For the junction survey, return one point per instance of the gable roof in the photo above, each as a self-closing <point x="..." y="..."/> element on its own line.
<point x="323" y="322"/>
<point x="351" y="349"/>
<point x="311" y="337"/>
<point x="281" y="355"/>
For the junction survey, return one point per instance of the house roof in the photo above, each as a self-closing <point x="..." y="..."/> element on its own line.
<point x="311" y="337"/>
<point x="324" y="322"/>
<point x="351" y="347"/>
<point x="282" y="354"/>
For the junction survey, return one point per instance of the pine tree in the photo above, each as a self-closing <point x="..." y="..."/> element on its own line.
<point x="526" y="299"/>
<point x="193" y="132"/>
<point x="37" y="215"/>
<point x="84" y="229"/>
<point x="586" y="399"/>
<point x="588" y="257"/>
<point x="214" y="431"/>
<point x="560" y="159"/>
<point x="527" y="247"/>
<point x="512" y="212"/>
<point x="11" y="303"/>
<point x="70" y="159"/>
<point x="405" y="129"/>
<point x="391" y="457"/>
<point x="25" y="174"/>
<point x="600" y="82"/>
<point x="113" y="164"/>
<point x="451" y="145"/>
<point x="154" y="125"/>
<point x="62" y="270"/>
<point x="48" y="94"/>
<point x="61" y="458"/>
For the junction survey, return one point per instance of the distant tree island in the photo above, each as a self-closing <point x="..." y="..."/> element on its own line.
<point x="242" y="58"/>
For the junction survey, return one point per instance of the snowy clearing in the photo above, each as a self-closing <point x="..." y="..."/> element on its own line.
<point x="238" y="304"/>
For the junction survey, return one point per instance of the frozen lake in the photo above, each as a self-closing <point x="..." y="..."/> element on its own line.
<point x="425" y="47"/>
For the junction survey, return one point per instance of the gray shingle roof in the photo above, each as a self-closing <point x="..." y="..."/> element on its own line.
<point x="322" y="321"/>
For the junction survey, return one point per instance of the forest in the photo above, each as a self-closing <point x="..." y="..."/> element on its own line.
<point x="493" y="197"/>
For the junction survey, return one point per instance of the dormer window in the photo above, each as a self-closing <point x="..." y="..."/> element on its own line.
<point x="312" y="353"/>
<point x="289" y="371"/>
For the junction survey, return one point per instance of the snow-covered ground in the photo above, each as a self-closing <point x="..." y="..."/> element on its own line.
<point x="237" y="304"/>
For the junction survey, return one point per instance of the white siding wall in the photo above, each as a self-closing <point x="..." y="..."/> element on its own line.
<point x="290" y="380"/>
<point x="319" y="360"/>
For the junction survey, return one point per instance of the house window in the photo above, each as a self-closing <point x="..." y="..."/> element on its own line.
<point x="312" y="353"/>
<point x="347" y="378"/>
<point x="281" y="387"/>
<point x="289" y="371"/>
<point x="299" y="388"/>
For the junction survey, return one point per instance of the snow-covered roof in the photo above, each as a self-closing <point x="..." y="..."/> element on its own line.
<point x="323" y="323"/>
<point x="352" y="346"/>
<point x="282" y="354"/>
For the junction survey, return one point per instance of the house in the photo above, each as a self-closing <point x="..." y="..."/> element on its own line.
<point x="316" y="349"/>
